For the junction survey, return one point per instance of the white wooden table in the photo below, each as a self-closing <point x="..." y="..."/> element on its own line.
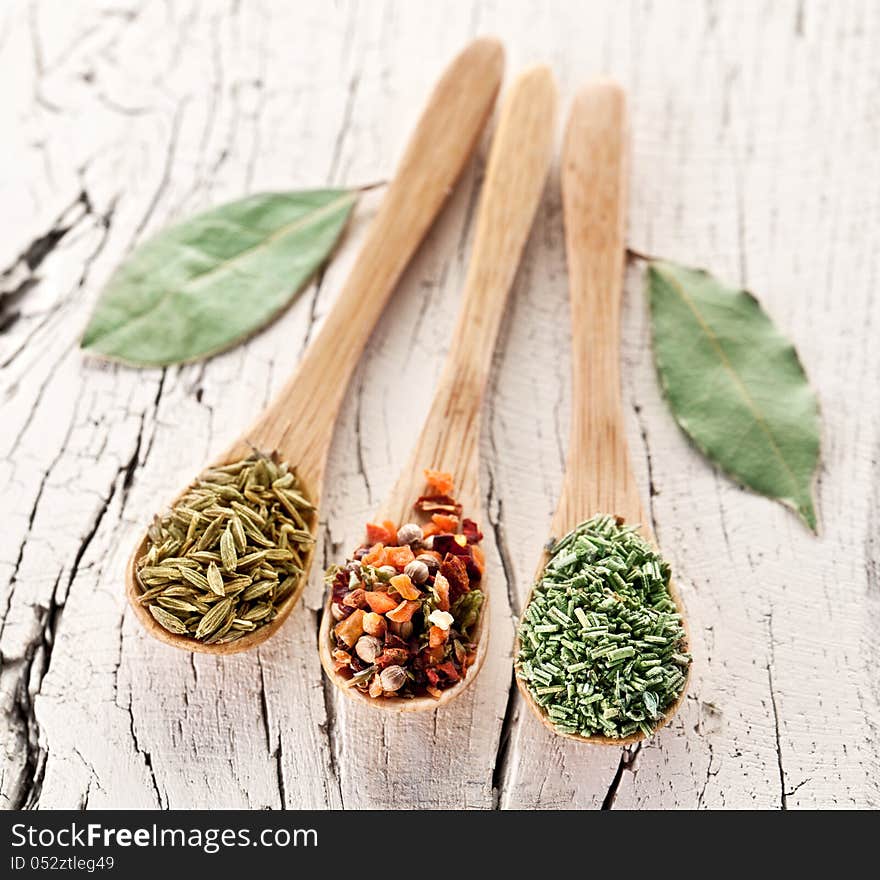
<point x="756" y="152"/>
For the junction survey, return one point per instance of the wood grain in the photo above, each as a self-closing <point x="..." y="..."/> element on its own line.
<point x="511" y="191"/>
<point x="598" y="475"/>
<point x="753" y="132"/>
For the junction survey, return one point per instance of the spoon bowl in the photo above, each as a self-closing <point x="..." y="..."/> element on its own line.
<point x="298" y="424"/>
<point x="449" y="440"/>
<point x="598" y="739"/>
<point x="245" y="642"/>
<point x="599" y="476"/>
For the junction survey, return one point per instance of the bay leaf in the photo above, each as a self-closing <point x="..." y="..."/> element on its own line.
<point x="201" y="286"/>
<point x="735" y="384"/>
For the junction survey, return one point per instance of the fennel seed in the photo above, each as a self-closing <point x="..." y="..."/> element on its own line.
<point x="222" y="561"/>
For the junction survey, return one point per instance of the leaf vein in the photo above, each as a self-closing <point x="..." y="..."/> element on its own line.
<point x="751" y="405"/>
<point x="224" y="267"/>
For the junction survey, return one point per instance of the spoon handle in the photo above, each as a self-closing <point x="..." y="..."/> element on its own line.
<point x="594" y="193"/>
<point x="300" y="421"/>
<point x="515" y="177"/>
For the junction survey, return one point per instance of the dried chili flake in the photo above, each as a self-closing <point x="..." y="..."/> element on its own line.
<point x="398" y="557"/>
<point x="441" y="588"/>
<point x="445" y="522"/>
<point x="471" y="531"/>
<point x="386" y="533"/>
<point x="374" y="555"/>
<point x="380" y="602"/>
<point x="403" y="612"/>
<point x="455" y="571"/>
<point x="448" y="669"/>
<point x="392" y="657"/>
<point x="431" y="504"/>
<point x="340" y="585"/>
<point x="440" y="481"/>
<point x="422" y="622"/>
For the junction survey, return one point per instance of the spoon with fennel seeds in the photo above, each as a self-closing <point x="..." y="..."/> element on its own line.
<point x="220" y="572"/>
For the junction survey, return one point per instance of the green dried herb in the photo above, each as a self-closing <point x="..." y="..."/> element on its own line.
<point x="602" y="646"/>
<point x="199" y="574"/>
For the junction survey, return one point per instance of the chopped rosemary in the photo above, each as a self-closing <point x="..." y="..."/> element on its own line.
<point x="602" y="646"/>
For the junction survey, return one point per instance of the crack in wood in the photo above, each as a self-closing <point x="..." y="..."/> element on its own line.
<point x="19" y="278"/>
<point x="508" y="723"/>
<point x="649" y="466"/>
<point x="336" y="154"/>
<point x="328" y="727"/>
<point x="148" y="760"/>
<point x="783" y="794"/>
<point x="274" y="751"/>
<point x="496" y="523"/>
<point x="628" y="756"/>
<point x="165" y="176"/>
<point x="778" y="740"/>
<point x="42" y="643"/>
<point x="29" y="682"/>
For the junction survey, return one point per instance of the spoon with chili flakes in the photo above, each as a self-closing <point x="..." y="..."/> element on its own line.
<point x="403" y="624"/>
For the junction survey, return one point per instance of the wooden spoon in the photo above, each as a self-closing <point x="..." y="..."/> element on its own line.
<point x="449" y="441"/>
<point x="599" y="476"/>
<point x="299" y="423"/>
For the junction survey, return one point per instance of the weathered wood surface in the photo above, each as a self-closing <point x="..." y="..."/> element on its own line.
<point x="756" y="151"/>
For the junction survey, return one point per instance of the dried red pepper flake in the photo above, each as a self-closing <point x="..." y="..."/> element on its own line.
<point x="471" y="531"/>
<point x="441" y="588"/>
<point x="431" y="504"/>
<point x="386" y="533"/>
<point x="445" y="522"/>
<point x="448" y="669"/>
<point x="394" y="641"/>
<point x="380" y="602"/>
<point x="440" y="481"/>
<point x="455" y="571"/>
<point x="392" y="657"/>
<point x="382" y="619"/>
<point x="340" y="585"/>
<point x="444" y="544"/>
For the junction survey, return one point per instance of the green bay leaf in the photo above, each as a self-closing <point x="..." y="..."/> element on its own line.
<point x="735" y="384"/>
<point x="201" y="286"/>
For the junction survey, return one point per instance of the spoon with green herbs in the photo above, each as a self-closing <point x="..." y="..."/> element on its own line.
<point x="602" y="647"/>
<point x="220" y="570"/>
